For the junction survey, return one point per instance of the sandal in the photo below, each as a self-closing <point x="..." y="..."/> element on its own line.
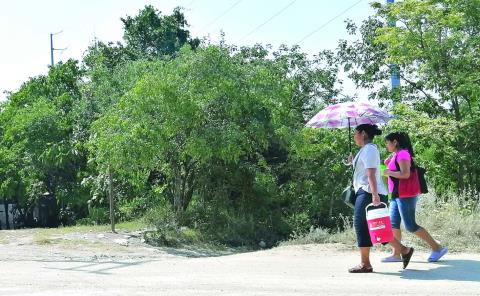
<point x="406" y="257"/>
<point x="436" y="255"/>
<point x="391" y="258"/>
<point x="360" y="269"/>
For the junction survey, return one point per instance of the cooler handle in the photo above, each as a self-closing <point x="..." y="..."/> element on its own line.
<point x="371" y="205"/>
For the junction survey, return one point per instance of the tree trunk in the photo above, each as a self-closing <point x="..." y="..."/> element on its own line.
<point x="110" y="197"/>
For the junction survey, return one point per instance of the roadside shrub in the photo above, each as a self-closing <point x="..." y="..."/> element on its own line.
<point x="98" y="216"/>
<point x="453" y="224"/>
<point x="166" y="231"/>
<point x="131" y="209"/>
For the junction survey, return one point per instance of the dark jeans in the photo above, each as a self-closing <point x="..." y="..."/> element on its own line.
<point x="363" y="198"/>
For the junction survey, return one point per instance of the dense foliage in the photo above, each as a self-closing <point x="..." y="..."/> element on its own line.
<point x="212" y="137"/>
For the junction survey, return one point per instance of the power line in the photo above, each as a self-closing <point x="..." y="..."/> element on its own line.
<point x="268" y="20"/>
<point x="222" y="14"/>
<point x="328" y="22"/>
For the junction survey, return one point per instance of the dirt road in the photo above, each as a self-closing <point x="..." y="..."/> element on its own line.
<point x="41" y="270"/>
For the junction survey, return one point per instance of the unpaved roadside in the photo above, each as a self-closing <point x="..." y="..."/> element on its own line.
<point x="136" y="269"/>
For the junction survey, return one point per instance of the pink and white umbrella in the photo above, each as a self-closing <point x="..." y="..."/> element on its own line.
<point x="349" y="114"/>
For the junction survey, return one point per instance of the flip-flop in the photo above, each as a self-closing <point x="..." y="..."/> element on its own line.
<point x="406" y="258"/>
<point x="391" y="258"/>
<point x="436" y="255"/>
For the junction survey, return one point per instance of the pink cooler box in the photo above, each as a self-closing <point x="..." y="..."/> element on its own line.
<point x="379" y="225"/>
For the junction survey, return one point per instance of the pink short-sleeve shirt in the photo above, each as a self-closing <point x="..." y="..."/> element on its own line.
<point x="400" y="155"/>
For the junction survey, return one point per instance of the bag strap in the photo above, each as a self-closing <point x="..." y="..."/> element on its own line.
<point x="355" y="163"/>
<point x="353" y="170"/>
<point x="412" y="163"/>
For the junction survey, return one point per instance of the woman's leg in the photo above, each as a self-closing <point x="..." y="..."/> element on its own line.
<point x="396" y="220"/>
<point x="365" y="256"/>
<point x="407" y="208"/>
<point x="406" y="253"/>
<point x="399" y="247"/>
<point x="361" y="230"/>
<point x="426" y="237"/>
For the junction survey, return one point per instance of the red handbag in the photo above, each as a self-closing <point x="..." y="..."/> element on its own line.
<point x="408" y="187"/>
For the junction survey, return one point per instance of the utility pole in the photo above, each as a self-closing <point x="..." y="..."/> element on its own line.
<point x="394" y="68"/>
<point x="52" y="49"/>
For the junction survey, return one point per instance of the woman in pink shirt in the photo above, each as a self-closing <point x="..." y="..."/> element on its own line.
<point x="403" y="207"/>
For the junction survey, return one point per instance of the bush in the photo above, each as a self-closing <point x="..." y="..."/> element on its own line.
<point x="230" y="226"/>
<point x="131" y="209"/>
<point x="167" y="231"/>
<point x="98" y="216"/>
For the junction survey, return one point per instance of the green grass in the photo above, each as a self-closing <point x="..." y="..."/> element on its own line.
<point x="454" y="224"/>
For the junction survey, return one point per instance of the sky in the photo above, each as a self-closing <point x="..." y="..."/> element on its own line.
<point x="25" y="27"/>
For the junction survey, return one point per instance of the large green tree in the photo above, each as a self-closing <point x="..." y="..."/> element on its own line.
<point x="436" y="47"/>
<point x="39" y="140"/>
<point x="214" y="127"/>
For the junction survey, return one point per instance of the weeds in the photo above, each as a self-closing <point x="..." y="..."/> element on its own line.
<point x="453" y="223"/>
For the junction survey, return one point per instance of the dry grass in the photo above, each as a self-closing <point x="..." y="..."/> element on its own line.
<point x="455" y="224"/>
<point x="46" y="236"/>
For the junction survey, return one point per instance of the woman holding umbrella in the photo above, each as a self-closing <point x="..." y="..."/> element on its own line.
<point x="369" y="188"/>
<point x="367" y="181"/>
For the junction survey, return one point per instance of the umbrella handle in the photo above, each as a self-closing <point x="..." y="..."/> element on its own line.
<point x="349" y="136"/>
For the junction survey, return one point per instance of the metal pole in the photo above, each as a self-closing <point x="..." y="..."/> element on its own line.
<point x="349" y="136"/>
<point x="51" y="49"/>
<point x="394" y="68"/>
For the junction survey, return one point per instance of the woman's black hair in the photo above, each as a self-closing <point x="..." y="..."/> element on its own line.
<point x="371" y="130"/>
<point x="402" y="139"/>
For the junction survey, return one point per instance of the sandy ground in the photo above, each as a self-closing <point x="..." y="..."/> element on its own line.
<point x="133" y="268"/>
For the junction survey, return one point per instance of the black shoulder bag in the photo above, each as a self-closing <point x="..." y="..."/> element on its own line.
<point x="421" y="177"/>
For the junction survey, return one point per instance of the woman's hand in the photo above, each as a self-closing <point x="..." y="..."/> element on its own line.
<point x="376" y="199"/>
<point x="349" y="159"/>
<point x="387" y="172"/>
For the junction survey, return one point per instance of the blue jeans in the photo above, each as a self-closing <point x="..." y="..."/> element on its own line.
<point x="363" y="198"/>
<point x="404" y="209"/>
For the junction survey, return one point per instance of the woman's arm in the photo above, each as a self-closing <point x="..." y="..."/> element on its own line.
<point x="404" y="172"/>
<point x="372" y="182"/>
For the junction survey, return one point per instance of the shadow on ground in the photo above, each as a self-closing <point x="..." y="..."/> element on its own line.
<point x="100" y="268"/>
<point x="193" y="252"/>
<point x="454" y="270"/>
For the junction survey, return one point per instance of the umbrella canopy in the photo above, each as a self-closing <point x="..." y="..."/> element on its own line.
<point x="349" y="114"/>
